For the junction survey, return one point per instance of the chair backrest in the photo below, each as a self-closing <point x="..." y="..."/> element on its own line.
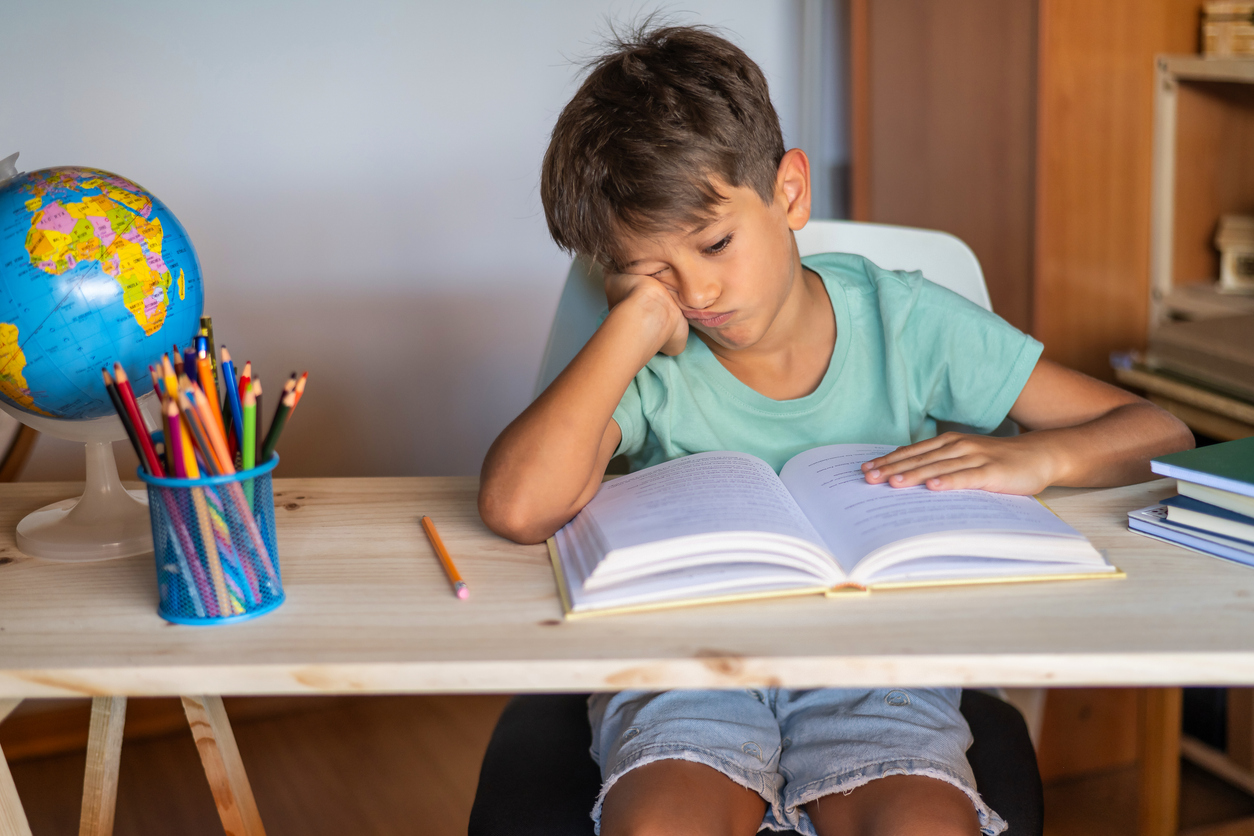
<point x="943" y="258"/>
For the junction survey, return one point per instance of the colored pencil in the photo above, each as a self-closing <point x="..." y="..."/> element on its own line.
<point x="112" y="389"/>
<point x="248" y="446"/>
<point x="277" y="425"/>
<point x="257" y="395"/>
<point x="189" y="363"/>
<point x="197" y="584"/>
<point x="206" y="331"/>
<point x="141" y="429"/>
<point x="248" y="443"/>
<point x="207" y="380"/>
<point x="460" y="589"/>
<point x="172" y="390"/>
<point x="234" y="491"/>
<point x="232" y="398"/>
<point x="200" y="434"/>
<point x="204" y="406"/>
<point x="174" y="440"/>
<point x="211" y="551"/>
<point x="178" y="359"/>
<point x="300" y="388"/>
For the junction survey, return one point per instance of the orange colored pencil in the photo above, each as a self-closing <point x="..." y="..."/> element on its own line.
<point x="300" y="389"/>
<point x="217" y="437"/>
<point x="205" y="379"/>
<point x="455" y="578"/>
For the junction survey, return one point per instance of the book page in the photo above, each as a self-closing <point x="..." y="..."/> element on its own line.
<point x="699" y="494"/>
<point x="856" y="518"/>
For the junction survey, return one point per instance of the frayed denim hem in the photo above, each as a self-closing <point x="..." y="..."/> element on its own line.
<point x="846" y="782"/>
<point x="749" y="779"/>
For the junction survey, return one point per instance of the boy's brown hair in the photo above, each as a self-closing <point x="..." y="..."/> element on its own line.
<point x="660" y="117"/>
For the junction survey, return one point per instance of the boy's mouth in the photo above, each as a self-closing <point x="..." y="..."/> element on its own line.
<point x="708" y="319"/>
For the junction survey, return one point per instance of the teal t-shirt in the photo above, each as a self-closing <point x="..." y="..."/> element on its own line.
<point x="908" y="353"/>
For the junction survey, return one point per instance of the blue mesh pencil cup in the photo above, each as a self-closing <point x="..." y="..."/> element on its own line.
<point x="214" y="545"/>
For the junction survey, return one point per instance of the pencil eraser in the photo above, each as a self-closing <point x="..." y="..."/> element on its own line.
<point x="463" y="593"/>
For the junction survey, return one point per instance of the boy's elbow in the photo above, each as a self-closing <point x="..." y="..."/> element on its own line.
<point x="511" y="517"/>
<point x="1179" y="436"/>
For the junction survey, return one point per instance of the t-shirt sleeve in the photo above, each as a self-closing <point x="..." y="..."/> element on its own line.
<point x="970" y="364"/>
<point x="629" y="415"/>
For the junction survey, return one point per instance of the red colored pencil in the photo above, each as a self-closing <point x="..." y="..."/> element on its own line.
<point x="141" y="429"/>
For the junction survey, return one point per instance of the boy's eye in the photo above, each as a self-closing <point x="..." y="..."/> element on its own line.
<point x="720" y="246"/>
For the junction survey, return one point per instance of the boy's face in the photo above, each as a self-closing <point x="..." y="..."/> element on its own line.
<point x="732" y="276"/>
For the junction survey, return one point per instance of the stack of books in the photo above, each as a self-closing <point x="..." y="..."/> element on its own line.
<point x="1213" y="509"/>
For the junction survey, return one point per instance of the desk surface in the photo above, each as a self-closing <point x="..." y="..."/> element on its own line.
<point x="368" y="610"/>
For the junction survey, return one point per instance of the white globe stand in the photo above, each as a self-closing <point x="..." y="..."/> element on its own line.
<point x="108" y="520"/>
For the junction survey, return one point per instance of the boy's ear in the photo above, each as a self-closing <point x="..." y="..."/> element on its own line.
<point x="792" y="186"/>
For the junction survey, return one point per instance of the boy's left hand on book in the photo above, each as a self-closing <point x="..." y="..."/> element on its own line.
<point x="955" y="461"/>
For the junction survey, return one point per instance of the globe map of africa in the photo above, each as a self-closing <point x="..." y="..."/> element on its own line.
<point x="94" y="270"/>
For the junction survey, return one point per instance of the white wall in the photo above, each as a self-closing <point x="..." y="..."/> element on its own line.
<point x="360" y="181"/>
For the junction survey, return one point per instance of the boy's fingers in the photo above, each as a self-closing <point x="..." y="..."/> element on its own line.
<point x="919" y="475"/>
<point x="885" y="471"/>
<point x="910" y="450"/>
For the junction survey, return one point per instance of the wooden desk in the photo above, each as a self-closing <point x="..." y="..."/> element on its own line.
<point x="369" y="610"/>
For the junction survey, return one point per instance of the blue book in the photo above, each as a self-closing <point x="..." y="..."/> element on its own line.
<point x="1228" y="466"/>
<point x="1152" y="522"/>
<point x="1212" y="518"/>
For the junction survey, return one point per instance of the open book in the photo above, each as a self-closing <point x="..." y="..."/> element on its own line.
<point x="722" y="526"/>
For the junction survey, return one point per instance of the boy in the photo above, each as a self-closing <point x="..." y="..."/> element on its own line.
<point x="668" y="167"/>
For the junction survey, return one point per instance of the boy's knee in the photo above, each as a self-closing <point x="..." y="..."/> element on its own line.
<point x="901" y="805"/>
<point x="674" y="797"/>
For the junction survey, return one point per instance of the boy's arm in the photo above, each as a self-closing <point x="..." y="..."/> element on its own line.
<point x="549" y="462"/>
<point x="1082" y="433"/>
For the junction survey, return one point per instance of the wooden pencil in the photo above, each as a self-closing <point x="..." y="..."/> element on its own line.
<point x="277" y="425"/>
<point x="257" y="395"/>
<point x="460" y="589"/>
<point x="112" y="389"/>
<point x="206" y="379"/>
<point x="141" y="429"/>
<point x="233" y="410"/>
<point x="300" y="388"/>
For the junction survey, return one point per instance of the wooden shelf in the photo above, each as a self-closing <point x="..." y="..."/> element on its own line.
<point x="1204" y="301"/>
<point x="1199" y="68"/>
<point x="1202" y="168"/>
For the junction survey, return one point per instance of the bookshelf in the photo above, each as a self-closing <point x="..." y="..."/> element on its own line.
<point x="1202" y="168"/>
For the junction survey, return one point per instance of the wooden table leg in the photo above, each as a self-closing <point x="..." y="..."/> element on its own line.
<point x="1158" y="797"/>
<point x="12" y="816"/>
<point x="104" y="755"/>
<point x="220" y="757"/>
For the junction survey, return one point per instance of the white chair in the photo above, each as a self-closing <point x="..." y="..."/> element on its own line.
<point x="943" y="258"/>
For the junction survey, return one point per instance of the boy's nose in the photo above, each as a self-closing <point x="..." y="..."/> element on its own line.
<point x="698" y="292"/>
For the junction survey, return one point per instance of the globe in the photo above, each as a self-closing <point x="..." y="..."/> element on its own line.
<point x="94" y="269"/>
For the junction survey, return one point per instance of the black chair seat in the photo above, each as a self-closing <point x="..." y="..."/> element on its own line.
<point x="538" y="779"/>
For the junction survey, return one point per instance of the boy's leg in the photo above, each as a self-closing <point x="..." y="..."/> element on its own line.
<point x="691" y="761"/>
<point x="901" y="805"/>
<point x="879" y="761"/>
<point x="680" y="797"/>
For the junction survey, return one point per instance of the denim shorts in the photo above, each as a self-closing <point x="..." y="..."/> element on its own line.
<point x="788" y="746"/>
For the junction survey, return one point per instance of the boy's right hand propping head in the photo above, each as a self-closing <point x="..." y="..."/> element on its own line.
<point x="654" y="306"/>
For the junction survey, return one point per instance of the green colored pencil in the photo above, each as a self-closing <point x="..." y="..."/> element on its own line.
<point x="248" y="445"/>
<point x="276" y="426"/>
